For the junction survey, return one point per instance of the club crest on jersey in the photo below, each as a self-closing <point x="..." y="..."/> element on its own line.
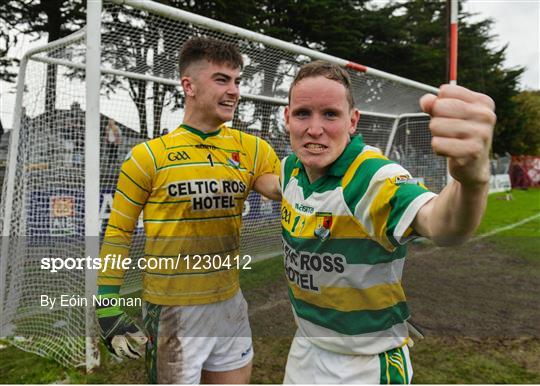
<point x="323" y="225"/>
<point x="235" y="159"/>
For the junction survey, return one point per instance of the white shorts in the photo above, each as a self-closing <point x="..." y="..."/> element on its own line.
<point x="184" y="340"/>
<point x="308" y="363"/>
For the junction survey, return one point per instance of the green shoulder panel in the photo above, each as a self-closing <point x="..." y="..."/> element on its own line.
<point x="359" y="184"/>
<point x="288" y="167"/>
<point x="399" y="203"/>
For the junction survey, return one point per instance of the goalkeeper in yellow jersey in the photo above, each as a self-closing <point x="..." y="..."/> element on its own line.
<point x="191" y="185"/>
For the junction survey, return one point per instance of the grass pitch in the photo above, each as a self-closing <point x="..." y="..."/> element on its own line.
<point x="478" y="305"/>
<point x="502" y="212"/>
<point x="523" y="240"/>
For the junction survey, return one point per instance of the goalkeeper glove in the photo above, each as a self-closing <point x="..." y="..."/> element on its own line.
<point x="121" y="335"/>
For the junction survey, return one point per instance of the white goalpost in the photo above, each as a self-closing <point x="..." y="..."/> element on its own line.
<point x="62" y="166"/>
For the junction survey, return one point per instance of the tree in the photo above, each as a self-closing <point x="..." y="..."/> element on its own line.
<point x="481" y="68"/>
<point x="129" y="39"/>
<point x="56" y="18"/>
<point x="139" y="42"/>
<point x="409" y="39"/>
<point x="522" y="136"/>
<point x="311" y="23"/>
<point x="8" y="38"/>
<point x="405" y="38"/>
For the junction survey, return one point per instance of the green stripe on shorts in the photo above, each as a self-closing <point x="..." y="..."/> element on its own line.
<point x="151" y="324"/>
<point x="393" y="367"/>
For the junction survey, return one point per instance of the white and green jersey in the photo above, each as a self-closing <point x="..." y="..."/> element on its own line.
<point x="343" y="239"/>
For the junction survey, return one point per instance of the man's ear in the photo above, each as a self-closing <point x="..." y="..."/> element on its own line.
<point x="355" y="117"/>
<point x="286" y="116"/>
<point x="188" y="86"/>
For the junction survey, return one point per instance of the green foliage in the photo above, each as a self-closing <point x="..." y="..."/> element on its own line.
<point x="524" y="134"/>
<point x="405" y="38"/>
<point x="8" y="38"/>
<point x="409" y="39"/>
<point x="17" y="366"/>
<point x="236" y="12"/>
<point x="55" y="18"/>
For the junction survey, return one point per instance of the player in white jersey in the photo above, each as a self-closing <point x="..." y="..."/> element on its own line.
<point x="347" y="212"/>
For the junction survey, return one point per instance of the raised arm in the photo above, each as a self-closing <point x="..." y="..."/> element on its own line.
<point x="461" y="124"/>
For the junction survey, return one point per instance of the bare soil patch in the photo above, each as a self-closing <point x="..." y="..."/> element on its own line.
<point x="475" y="296"/>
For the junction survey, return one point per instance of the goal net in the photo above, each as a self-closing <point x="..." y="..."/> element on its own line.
<point x="43" y="209"/>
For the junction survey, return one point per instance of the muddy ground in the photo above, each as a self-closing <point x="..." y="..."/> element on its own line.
<point x="473" y="295"/>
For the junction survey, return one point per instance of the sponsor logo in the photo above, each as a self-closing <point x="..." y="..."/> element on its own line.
<point x="304" y="208"/>
<point x="62" y="215"/>
<point x="300" y="266"/>
<point x="246" y="352"/>
<point x="63" y="206"/>
<point x="203" y="146"/>
<point x="405" y="180"/>
<point x="212" y="203"/>
<point x="205" y="187"/>
<point x="178" y="156"/>
<point x="208" y="194"/>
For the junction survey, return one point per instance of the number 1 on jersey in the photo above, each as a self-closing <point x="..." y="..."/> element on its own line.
<point x="296" y="219"/>
<point x="210" y="159"/>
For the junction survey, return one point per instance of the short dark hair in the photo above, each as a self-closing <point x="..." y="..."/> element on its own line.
<point x="328" y="70"/>
<point x="213" y="50"/>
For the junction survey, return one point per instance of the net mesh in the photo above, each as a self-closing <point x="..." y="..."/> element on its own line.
<point x="48" y="201"/>
<point x="411" y="147"/>
<point x="47" y="221"/>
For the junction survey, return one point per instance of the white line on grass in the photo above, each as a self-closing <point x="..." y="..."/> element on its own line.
<point x="505" y="228"/>
<point x="487" y="234"/>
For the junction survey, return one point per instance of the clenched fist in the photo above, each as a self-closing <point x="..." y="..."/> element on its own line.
<point x="462" y="124"/>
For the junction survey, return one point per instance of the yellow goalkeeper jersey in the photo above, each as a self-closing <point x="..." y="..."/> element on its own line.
<point x="191" y="187"/>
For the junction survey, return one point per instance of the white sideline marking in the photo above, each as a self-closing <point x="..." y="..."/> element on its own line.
<point x="490" y="233"/>
<point x="505" y="228"/>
